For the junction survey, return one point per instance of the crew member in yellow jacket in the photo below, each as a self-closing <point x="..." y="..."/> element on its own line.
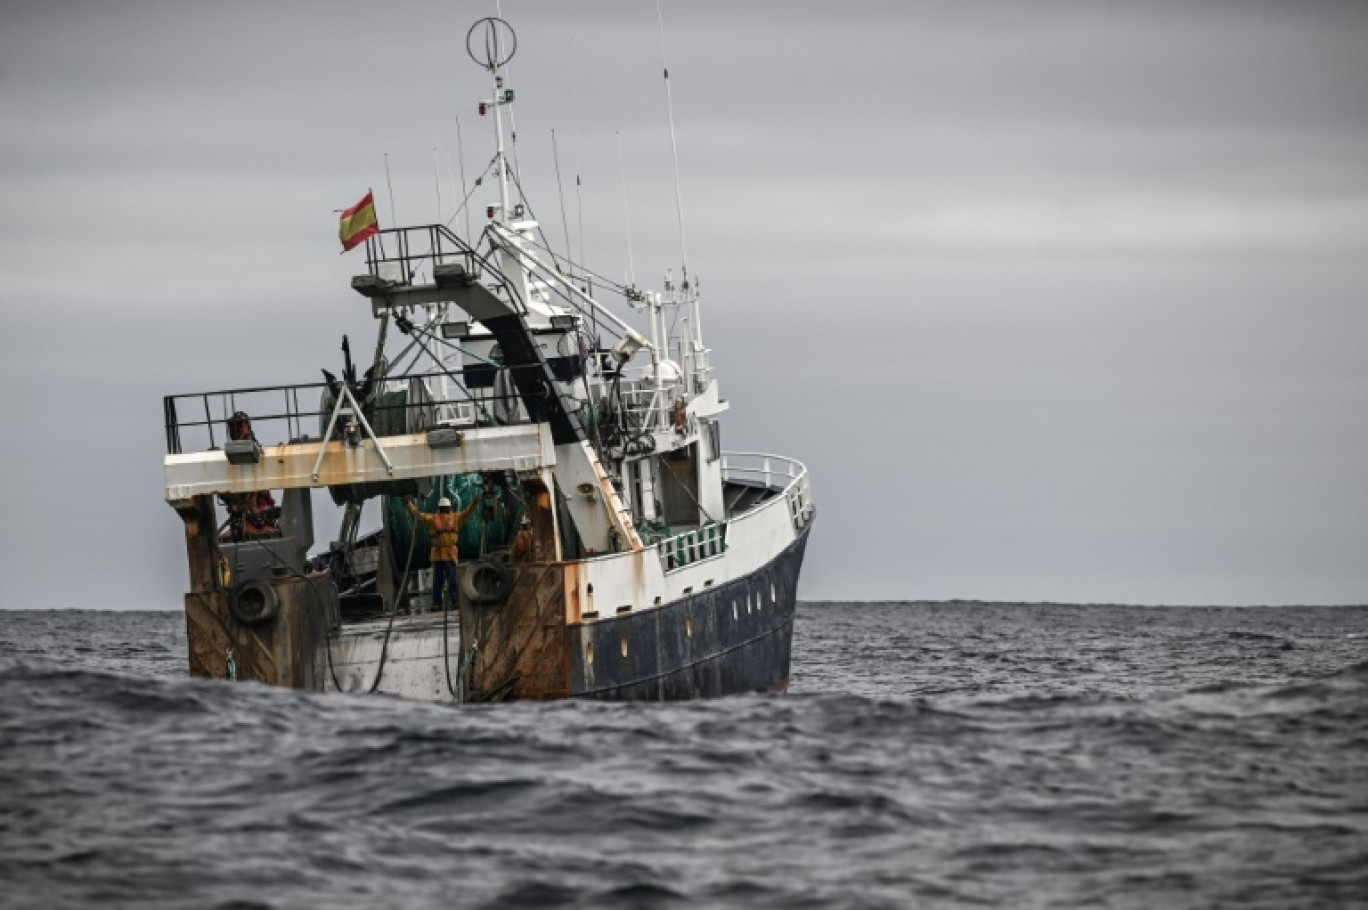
<point x="444" y="527"/>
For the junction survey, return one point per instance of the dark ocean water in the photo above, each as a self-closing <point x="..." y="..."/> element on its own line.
<point x="927" y="755"/>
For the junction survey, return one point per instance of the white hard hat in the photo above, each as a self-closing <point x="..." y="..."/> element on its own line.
<point x="444" y="503"/>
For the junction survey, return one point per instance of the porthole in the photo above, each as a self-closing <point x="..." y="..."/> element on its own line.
<point x="688" y="626"/>
<point x="624" y="646"/>
<point x="773" y="595"/>
<point x="735" y="613"/>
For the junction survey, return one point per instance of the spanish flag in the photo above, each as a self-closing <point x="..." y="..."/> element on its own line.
<point x="358" y="223"/>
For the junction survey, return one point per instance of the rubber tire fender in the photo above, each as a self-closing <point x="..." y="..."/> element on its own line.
<point x="252" y="602"/>
<point x="486" y="581"/>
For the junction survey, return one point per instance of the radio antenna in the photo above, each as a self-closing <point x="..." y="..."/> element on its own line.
<point x="394" y="214"/>
<point x="626" y="212"/>
<point x="674" y="146"/>
<point x="560" y="191"/>
<point x="579" y="171"/>
<point x="460" y="156"/>
<point x="579" y="216"/>
<point x="512" y="116"/>
<point x="437" y="181"/>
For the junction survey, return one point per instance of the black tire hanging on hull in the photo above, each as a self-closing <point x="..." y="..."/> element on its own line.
<point x="486" y="581"/>
<point x="252" y="602"/>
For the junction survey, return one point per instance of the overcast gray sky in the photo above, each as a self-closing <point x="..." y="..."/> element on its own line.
<point x="1060" y="301"/>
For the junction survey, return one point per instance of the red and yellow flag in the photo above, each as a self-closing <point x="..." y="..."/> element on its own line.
<point x="358" y="223"/>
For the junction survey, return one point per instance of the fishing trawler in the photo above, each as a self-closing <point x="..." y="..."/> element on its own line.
<point x="611" y="548"/>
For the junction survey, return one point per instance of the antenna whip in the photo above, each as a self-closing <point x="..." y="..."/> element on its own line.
<point x="674" y="146"/>
<point x="626" y="212"/>
<point x="394" y="214"/>
<point x="560" y="190"/>
<point x="460" y="156"/>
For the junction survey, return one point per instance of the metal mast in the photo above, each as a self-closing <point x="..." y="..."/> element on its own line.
<point x="496" y="34"/>
<point x="491" y="43"/>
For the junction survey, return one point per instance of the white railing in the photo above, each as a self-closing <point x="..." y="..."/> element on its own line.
<point x="785" y="477"/>
<point x="651" y="405"/>
<point x="700" y="543"/>
<point x="456" y="413"/>
<point x="774" y="472"/>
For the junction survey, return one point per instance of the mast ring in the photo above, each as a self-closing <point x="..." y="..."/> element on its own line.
<point x="499" y="42"/>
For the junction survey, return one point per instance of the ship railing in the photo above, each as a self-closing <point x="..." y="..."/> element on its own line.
<point x="693" y="546"/>
<point x="410" y="255"/>
<point x="784" y="476"/>
<point x="646" y="404"/>
<point x="650" y="408"/>
<point x="697" y="365"/>
<point x="404" y="254"/>
<point x="198" y="421"/>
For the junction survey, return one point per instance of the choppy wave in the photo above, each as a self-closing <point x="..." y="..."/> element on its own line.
<point x="928" y="755"/>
